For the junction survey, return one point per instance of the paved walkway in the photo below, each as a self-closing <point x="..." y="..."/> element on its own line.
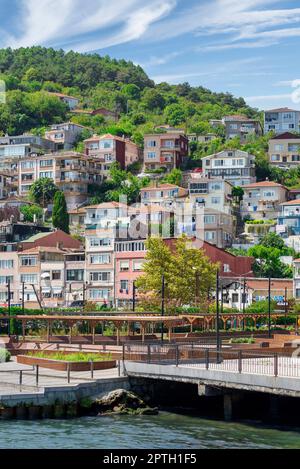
<point x="10" y="378"/>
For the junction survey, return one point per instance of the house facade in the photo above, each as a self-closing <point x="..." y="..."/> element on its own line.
<point x="211" y="194"/>
<point x="262" y="200"/>
<point x="234" y="166"/>
<point x="242" y="127"/>
<point x="284" y="150"/>
<point x="64" y="135"/>
<point x="289" y="219"/>
<point x="167" y="150"/>
<point x="282" y="120"/>
<point x="165" y="195"/>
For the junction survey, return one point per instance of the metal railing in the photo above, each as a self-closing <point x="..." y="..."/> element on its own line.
<point x="285" y="364"/>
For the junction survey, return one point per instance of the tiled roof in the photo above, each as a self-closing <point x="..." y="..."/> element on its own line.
<point x="292" y="202"/>
<point x="107" y="205"/>
<point x="282" y="109"/>
<point x="61" y="95"/>
<point x="160" y="187"/>
<point x="263" y="184"/>
<point x="286" y="136"/>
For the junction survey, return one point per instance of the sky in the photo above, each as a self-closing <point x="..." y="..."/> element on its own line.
<point x="247" y="47"/>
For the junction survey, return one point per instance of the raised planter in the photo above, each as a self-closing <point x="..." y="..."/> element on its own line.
<point x="59" y="365"/>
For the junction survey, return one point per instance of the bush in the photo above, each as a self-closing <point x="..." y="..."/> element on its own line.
<point x="5" y="355"/>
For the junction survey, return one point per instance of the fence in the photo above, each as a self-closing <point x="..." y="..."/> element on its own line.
<point x="285" y="364"/>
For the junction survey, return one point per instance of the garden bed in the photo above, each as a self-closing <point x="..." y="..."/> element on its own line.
<point x="63" y="361"/>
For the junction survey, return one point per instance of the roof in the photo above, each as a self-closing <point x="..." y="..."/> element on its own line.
<point x="107" y="205"/>
<point x="282" y="109"/>
<point x="239" y="117"/>
<point x="37" y="236"/>
<point x="286" y="136"/>
<point x="40" y="249"/>
<point x="263" y="283"/>
<point x="62" y="95"/>
<point x="292" y="202"/>
<point x="264" y="184"/>
<point x="77" y="211"/>
<point x="96" y="138"/>
<point x="162" y="187"/>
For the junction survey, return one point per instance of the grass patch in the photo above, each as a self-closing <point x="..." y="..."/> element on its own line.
<point x="79" y="357"/>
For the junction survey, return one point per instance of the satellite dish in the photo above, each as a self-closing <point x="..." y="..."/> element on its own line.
<point x="45" y="276"/>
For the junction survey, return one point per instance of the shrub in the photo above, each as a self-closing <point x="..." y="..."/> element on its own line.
<point x="5" y="355"/>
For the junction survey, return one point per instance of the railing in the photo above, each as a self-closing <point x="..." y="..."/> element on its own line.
<point x="224" y="359"/>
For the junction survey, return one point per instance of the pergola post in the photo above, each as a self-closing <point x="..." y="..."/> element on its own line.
<point x="170" y="333"/>
<point x="23" y="329"/>
<point x="93" y="333"/>
<point x="48" y="331"/>
<point x="70" y="333"/>
<point x="143" y="331"/>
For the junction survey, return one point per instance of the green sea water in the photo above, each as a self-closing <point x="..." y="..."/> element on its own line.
<point x="168" y="431"/>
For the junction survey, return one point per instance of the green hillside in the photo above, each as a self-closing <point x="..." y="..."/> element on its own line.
<point x="97" y="81"/>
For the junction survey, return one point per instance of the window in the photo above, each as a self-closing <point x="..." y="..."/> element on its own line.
<point x="6" y="264"/>
<point x="151" y="155"/>
<point x="216" y="187"/>
<point x="106" y="144"/>
<point x="235" y="298"/>
<point x="275" y="157"/>
<point x="56" y="275"/>
<point x="295" y="157"/>
<point x="227" y="268"/>
<point x="124" y="285"/>
<point x="29" y="278"/>
<point x="124" y="266"/>
<point x="219" y="162"/>
<point x="209" y="219"/>
<point x="27" y="164"/>
<point x="151" y="144"/>
<point x="99" y="294"/>
<point x="138" y="266"/>
<point x="279" y="147"/>
<point x="100" y="276"/>
<point x="4" y="280"/>
<point x="216" y="200"/>
<point x="268" y="194"/>
<point x="97" y="242"/>
<point x="210" y="235"/>
<point x="28" y="261"/>
<point x="45" y="163"/>
<point x="75" y="275"/>
<point x="100" y="259"/>
<point x="46" y="174"/>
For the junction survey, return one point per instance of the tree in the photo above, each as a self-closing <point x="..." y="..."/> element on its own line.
<point x="60" y="216"/>
<point x="42" y="191"/>
<point x="31" y="213"/>
<point x="174" y="177"/>
<point x="175" y="114"/>
<point x="188" y="272"/>
<point x="268" y="263"/>
<point x="238" y="193"/>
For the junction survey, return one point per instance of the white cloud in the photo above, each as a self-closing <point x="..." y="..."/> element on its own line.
<point x="75" y="24"/>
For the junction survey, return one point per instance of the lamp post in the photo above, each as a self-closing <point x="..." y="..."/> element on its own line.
<point x="162" y="305"/>
<point x="285" y="305"/>
<point x="244" y="302"/>
<point x="269" y="308"/>
<point x="133" y="296"/>
<point x="218" y="312"/>
<point x="9" y="304"/>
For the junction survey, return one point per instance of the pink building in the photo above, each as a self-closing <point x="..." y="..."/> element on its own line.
<point x="129" y="259"/>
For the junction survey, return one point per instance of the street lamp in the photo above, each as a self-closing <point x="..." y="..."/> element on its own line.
<point x="133" y="296"/>
<point x="162" y="305"/>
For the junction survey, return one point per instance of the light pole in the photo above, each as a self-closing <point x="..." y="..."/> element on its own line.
<point x="9" y="304"/>
<point x="218" y="312"/>
<point x="133" y="296"/>
<point x="162" y="305"/>
<point x="244" y="302"/>
<point x="285" y="305"/>
<point x="23" y="298"/>
<point x="269" y="308"/>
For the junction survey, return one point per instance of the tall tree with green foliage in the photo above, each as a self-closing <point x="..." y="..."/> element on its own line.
<point x="188" y="272"/>
<point x="42" y="191"/>
<point x="60" y="216"/>
<point x="174" y="177"/>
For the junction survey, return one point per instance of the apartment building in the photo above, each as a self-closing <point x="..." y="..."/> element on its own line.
<point x="210" y="225"/>
<point x="72" y="172"/>
<point x="164" y="195"/>
<point x="130" y="258"/>
<point x="196" y="138"/>
<point x="211" y="194"/>
<point x="242" y="127"/>
<point x="296" y="279"/>
<point x="263" y="200"/>
<point x="64" y="135"/>
<point x="109" y="149"/>
<point x="70" y="101"/>
<point x="21" y="146"/>
<point x="167" y="150"/>
<point x="4" y="186"/>
<point x="284" y="150"/>
<point x="289" y="219"/>
<point x="282" y="120"/>
<point x="9" y="274"/>
<point x="234" y="166"/>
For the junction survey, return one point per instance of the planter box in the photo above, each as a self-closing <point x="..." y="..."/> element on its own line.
<point x="59" y="365"/>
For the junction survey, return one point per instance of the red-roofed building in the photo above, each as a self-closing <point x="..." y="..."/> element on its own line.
<point x="284" y="150"/>
<point x="109" y="149"/>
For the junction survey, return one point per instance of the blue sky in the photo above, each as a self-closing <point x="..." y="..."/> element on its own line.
<point x="247" y="47"/>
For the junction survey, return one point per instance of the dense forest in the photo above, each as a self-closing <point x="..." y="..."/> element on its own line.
<point x="98" y="81"/>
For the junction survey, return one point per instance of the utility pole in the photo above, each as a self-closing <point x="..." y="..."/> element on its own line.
<point x="162" y="305"/>
<point x="285" y="305"/>
<point x="133" y="296"/>
<point x="244" y="303"/>
<point x="23" y="298"/>
<point x="269" y="308"/>
<point x="218" y="314"/>
<point x="9" y="305"/>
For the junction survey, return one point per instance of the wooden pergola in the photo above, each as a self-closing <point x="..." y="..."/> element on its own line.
<point x="93" y="321"/>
